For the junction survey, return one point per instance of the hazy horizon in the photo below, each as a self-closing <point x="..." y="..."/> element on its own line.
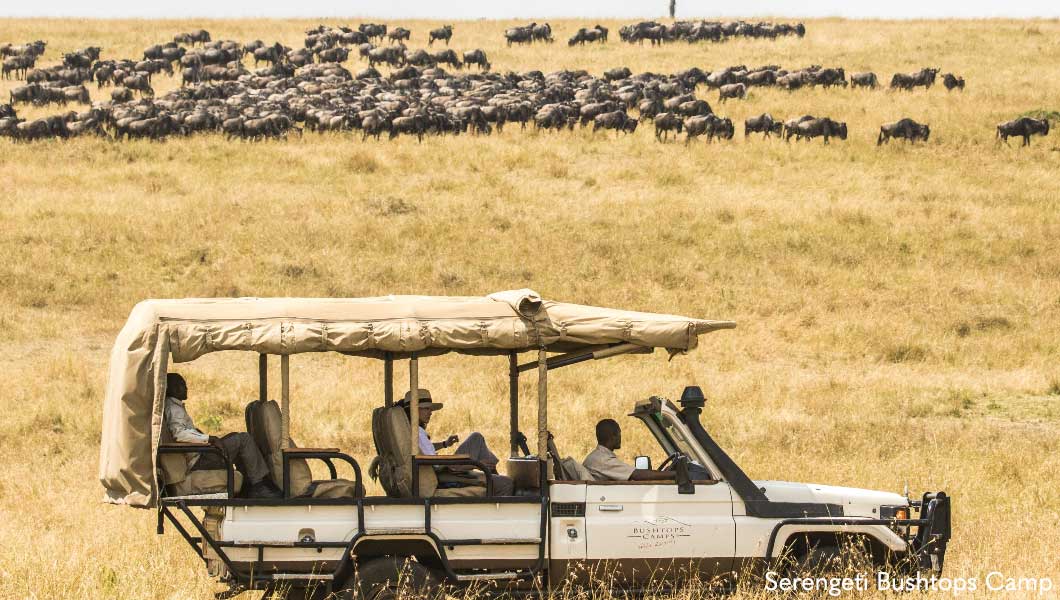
<point x="482" y="9"/>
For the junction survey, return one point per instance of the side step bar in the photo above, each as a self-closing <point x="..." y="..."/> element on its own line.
<point x="507" y="575"/>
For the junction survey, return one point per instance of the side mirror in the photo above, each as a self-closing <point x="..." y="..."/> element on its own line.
<point x="684" y="480"/>
<point x="642" y="463"/>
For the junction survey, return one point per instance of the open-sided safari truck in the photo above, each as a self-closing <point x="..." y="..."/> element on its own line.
<point x="557" y="526"/>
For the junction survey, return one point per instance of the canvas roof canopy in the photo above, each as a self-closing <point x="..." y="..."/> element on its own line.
<point x="159" y="331"/>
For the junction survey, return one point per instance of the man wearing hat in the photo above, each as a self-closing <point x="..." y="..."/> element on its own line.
<point x="474" y="446"/>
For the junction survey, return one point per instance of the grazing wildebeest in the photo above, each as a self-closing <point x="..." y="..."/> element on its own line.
<point x="1023" y="127"/>
<point x="764" y="124"/>
<point x="906" y="129"/>
<point x="477" y="57"/>
<point x="953" y="82"/>
<point x="617" y="73"/>
<point x="867" y="79"/>
<point x="447" y="57"/>
<point x="665" y="123"/>
<point x="907" y="81"/>
<point x="399" y="33"/>
<point x="788" y="128"/>
<point x="444" y="32"/>
<point x="823" y="127"/>
<point x="584" y="36"/>
<point x="732" y="90"/>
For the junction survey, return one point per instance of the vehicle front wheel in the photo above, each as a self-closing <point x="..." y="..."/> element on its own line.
<point x="391" y="578"/>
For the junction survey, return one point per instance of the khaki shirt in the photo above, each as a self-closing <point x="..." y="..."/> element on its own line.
<point x="603" y="464"/>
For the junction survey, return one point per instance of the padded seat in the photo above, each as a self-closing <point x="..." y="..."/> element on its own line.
<point x="391" y="432"/>
<point x="178" y="478"/>
<point x="264" y="423"/>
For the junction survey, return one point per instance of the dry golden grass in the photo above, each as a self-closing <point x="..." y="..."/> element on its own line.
<point x="898" y="308"/>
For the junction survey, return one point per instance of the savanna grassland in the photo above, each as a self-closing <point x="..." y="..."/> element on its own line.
<point x="898" y="307"/>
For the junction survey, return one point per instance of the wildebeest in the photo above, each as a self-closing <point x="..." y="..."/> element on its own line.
<point x="823" y="127"/>
<point x="477" y="57"/>
<point x="764" y="124"/>
<point x="1023" y="127"/>
<point x="953" y="82"/>
<point x="906" y="81"/>
<point x="121" y="94"/>
<point x="732" y="90"/>
<point x="906" y="129"/>
<point x="444" y="32"/>
<point x="617" y="120"/>
<point x="866" y="79"/>
<point x="711" y="125"/>
<point x="140" y="83"/>
<point x="372" y="30"/>
<point x="193" y="37"/>
<point x="447" y="57"/>
<point x="519" y="35"/>
<point x="399" y="34"/>
<point x="584" y="36"/>
<point x="665" y="123"/>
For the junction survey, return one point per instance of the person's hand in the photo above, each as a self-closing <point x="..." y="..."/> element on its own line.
<point x="215" y="442"/>
<point x="453" y="439"/>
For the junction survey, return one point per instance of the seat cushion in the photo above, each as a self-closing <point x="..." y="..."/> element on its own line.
<point x="206" y="482"/>
<point x="334" y="488"/>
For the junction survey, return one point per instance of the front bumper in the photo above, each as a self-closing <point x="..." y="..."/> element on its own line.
<point x="928" y="545"/>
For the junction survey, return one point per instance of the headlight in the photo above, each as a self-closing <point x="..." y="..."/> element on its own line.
<point x="894" y="512"/>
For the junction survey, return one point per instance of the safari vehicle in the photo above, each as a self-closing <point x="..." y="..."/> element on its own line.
<point x="558" y="526"/>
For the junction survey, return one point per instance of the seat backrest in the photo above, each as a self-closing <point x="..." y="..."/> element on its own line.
<point x="391" y="432"/>
<point x="174" y="467"/>
<point x="264" y="424"/>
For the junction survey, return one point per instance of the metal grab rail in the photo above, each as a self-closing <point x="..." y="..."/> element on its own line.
<point x="190" y="448"/>
<point x="323" y="454"/>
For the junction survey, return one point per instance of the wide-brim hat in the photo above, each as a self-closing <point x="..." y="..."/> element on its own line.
<point x="424" y="395"/>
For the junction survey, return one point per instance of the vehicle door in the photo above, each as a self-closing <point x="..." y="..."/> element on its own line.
<point x="647" y="530"/>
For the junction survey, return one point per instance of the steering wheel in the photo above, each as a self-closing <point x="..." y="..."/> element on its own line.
<point x="670" y="460"/>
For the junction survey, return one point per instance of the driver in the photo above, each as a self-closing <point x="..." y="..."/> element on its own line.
<point x="603" y="464"/>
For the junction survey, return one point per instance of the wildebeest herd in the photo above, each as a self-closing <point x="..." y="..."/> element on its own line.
<point x="309" y="88"/>
<point x="712" y="31"/>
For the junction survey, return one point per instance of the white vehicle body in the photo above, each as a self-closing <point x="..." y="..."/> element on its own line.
<point x="632" y="529"/>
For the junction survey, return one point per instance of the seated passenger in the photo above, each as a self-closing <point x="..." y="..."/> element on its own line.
<point x="239" y="447"/>
<point x="474" y="446"/>
<point x="604" y="465"/>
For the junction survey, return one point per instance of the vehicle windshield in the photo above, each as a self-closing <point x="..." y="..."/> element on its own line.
<point x="680" y="441"/>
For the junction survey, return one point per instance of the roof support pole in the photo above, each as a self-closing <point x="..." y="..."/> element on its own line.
<point x="388" y="379"/>
<point x="414" y="404"/>
<point x="542" y="404"/>
<point x="513" y="399"/>
<point x="263" y="377"/>
<point x="285" y="400"/>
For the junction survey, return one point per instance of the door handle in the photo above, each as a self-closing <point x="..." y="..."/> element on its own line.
<point x="611" y="508"/>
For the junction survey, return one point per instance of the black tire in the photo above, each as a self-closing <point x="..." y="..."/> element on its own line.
<point x="390" y="578"/>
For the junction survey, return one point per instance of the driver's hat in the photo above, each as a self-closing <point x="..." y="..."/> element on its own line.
<point x="424" y="394"/>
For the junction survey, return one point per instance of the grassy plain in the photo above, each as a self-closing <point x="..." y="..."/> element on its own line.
<point x="898" y="307"/>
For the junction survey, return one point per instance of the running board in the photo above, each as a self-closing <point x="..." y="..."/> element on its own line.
<point x="507" y="575"/>
<point x="303" y="576"/>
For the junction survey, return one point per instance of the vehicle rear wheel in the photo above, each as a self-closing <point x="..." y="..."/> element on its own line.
<point x="391" y="578"/>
